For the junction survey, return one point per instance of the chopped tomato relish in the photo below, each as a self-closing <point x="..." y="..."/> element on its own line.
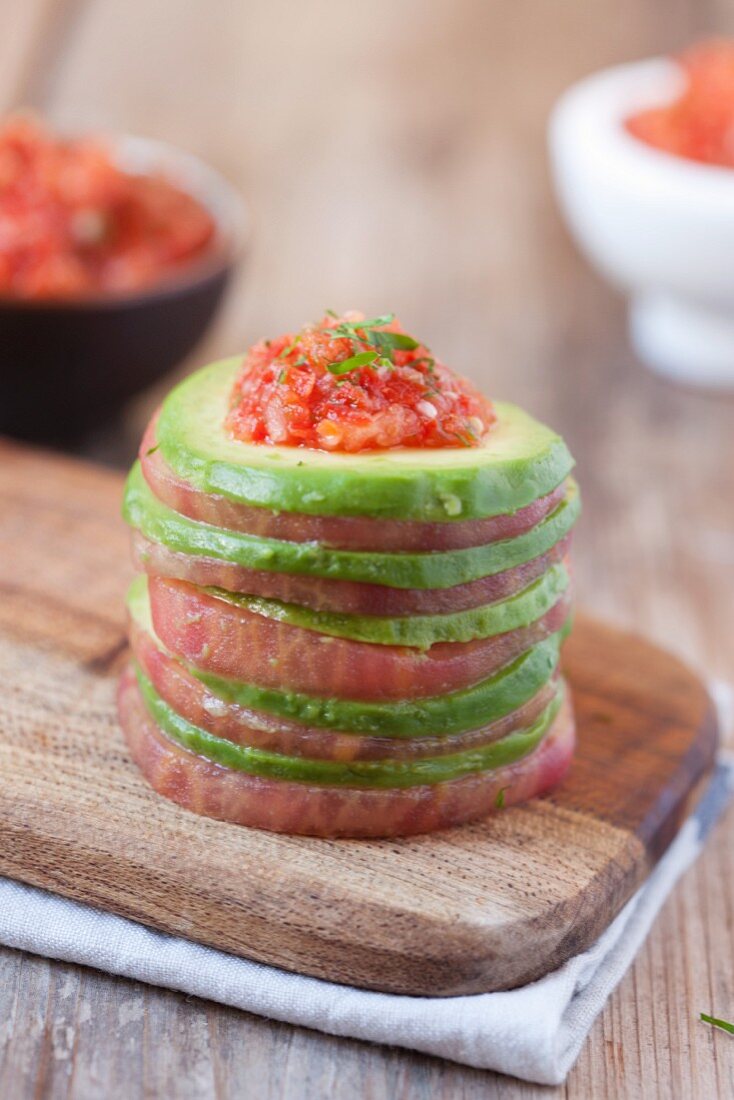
<point x="73" y="224"/>
<point x="699" y="124"/>
<point x="353" y="384"/>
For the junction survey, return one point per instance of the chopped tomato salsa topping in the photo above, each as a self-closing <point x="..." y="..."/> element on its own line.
<point x="73" y="224"/>
<point x="699" y="125"/>
<point x="354" y="384"/>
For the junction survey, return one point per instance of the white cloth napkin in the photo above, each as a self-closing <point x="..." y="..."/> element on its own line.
<point x="534" y="1033"/>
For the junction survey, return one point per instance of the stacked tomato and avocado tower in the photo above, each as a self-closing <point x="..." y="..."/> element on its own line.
<point x="353" y="589"/>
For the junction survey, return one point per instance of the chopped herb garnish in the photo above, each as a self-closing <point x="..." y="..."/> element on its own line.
<point x="290" y="349"/>
<point x="374" y="322"/>
<point x="282" y="376"/>
<point x="500" y="799"/>
<point x="391" y="341"/>
<point x="468" y="436"/>
<point x="364" y="359"/>
<point x="723" y="1025"/>
<point x="332" y="313"/>
<point x="152" y="450"/>
<point x="385" y="343"/>
<point x="350" y="330"/>
<point x="465" y="438"/>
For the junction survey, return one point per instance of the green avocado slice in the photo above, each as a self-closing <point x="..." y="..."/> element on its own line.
<point x="519" y="461"/>
<point x="419" y="631"/>
<point x="459" y="711"/>
<point x="391" y="773"/>
<point x="440" y="569"/>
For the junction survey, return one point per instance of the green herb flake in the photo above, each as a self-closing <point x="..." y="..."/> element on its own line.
<point x="282" y="376"/>
<point x="152" y="450"/>
<point x="465" y="439"/>
<point x="290" y="349"/>
<point x="391" y="341"/>
<point x="500" y="799"/>
<point x="364" y="359"/>
<point x="350" y="329"/>
<point x="723" y="1025"/>
<point x="384" y="343"/>
<point x="376" y="322"/>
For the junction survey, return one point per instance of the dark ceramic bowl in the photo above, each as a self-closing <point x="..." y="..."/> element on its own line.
<point x="69" y="367"/>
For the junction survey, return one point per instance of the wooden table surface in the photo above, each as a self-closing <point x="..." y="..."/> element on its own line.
<point x="393" y="156"/>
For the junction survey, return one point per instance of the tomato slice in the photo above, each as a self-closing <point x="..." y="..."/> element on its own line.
<point x="191" y="699"/>
<point x="288" y="807"/>
<point x="349" y="597"/>
<point x="339" y="532"/>
<point x="232" y="641"/>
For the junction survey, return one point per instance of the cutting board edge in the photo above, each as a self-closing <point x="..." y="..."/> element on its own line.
<point x="580" y="919"/>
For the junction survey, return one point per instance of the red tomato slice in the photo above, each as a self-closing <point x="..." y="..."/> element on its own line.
<point x="286" y="807"/>
<point x="350" y="597"/>
<point x="232" y="641"/>
<point x="345" y="532"/>
<point x="194" y="702"/>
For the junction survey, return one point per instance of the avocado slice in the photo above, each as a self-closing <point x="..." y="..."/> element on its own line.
<point x="438" y="569"/>
<point x="390" y="773"/>
<point x="419" y="631"/>
<point x="456" y="712"/>
<point x="519" y="461"/>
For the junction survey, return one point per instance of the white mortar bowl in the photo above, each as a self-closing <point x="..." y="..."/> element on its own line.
<point x="658" y="226"/>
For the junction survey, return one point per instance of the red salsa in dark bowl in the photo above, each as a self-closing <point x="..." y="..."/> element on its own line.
<point x="114" y="256"/>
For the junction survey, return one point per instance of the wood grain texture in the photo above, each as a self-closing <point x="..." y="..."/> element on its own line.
<point x="489" y="906"/>
<point x="454" y="225"/>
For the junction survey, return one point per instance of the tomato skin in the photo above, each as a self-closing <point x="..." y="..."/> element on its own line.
<point x="237" y="643"/>
<point x="338" y="532"/>
<point x="350" y="597"/>
<point x="191" y="699"/>
<point x="286" y="807"/>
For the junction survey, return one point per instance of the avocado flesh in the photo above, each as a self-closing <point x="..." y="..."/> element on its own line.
<point x="395" y="774"/>
<point x="518" y="461"/>
<point x="418" y="631"/>
<point x="456" y="712"/>
<point x="440" y="569"/>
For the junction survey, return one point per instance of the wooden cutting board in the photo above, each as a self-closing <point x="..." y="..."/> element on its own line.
<point x="482" y="907"/>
